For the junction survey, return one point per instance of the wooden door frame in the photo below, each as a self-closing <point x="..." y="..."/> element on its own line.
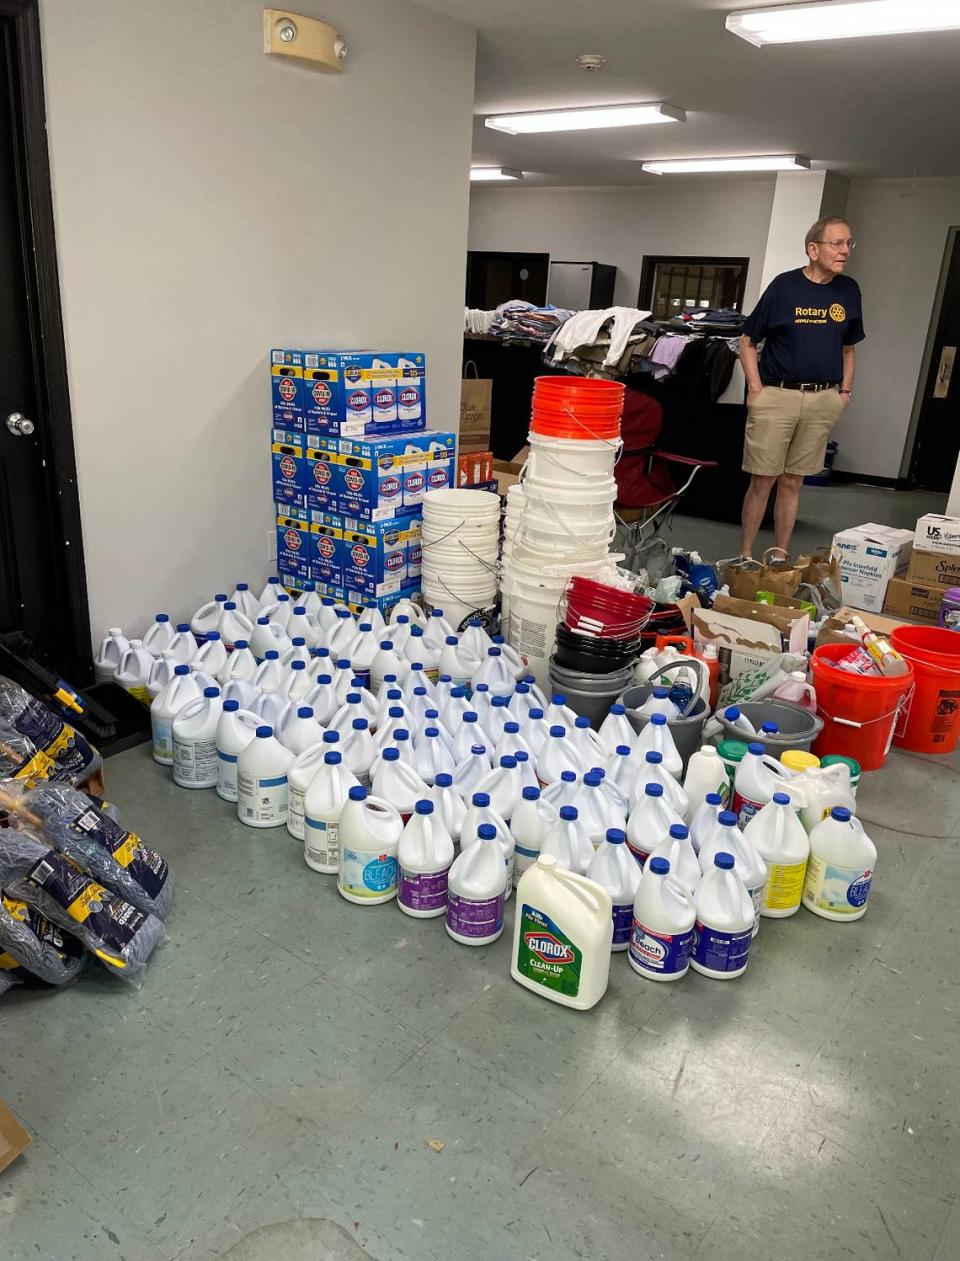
<point x="54" y="427"/>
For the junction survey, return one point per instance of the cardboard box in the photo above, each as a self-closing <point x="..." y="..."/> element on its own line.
<point x="323" y="474"/>
<point x="363" y="393"/>
<point x="934" y="569"/>
<point x="474" y="468"/>
<point x="747" y="635"/>
<point x="906" y="598"/>
<point x="14" y="1139"/>
<point x="288" y="458"/>
<point x="286" y="389"/>
<point x="936" y="533"/>
<point x="382" y="478"/>
<point x="293" y="544"/>
<point x="381" y="557"/>
<point x="831" y="632"/>
<point x="326" y="551"/>
<point x="870" y="555"/>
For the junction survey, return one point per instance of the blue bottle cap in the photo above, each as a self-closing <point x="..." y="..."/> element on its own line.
<point x="679" y="832"/>
<point x="713" y="799"/>
<point x="357" y="793"/>
<point x="297" y="664"/>
<point x="231" y="707"/>
<point x="531" y="794"/>
<point x="401" y="733"/>
<point x="487" y="832"/>
<point x="229" y="605"/>
<point x="592" y="779"/>
<point x="481" y="799"/>
<point x="469" y="716"/>
<point x="243" y="586"/>
<point x="731" y="714"/>
<point x="304" y="711"/>
<point x="432" y="732"/>
<point x="781" y="799"/>
<point x="654" y="758"/>
<point x="493" y="652"/>
<point x="661" y="692"/>
<point x="353" y="698"/>
<point x="558" y="698"/>
<point x="756" y="748"/>
<point x="324" y="679"/>
<point x="386" y="645"/>
<point x="184" y="627"/>
<point x="181" y="669"/>
<point x="162" y="618"/>
<point x="558" y="731"/>
<point x="569" y="813"/>
<point x="618" y="709"/>
<point x="451" y="639"/>
<point x="366" y="626"/>
<point x="769" y="728"/>
<point x="511" y="728"/>
<point x="264" y="733"/>
<point x="211" y="691"/>
<point x="331" y="737"/>
<point x="653" y="790"/>
<point x="723" y="861"/>
<point x="298" y="641"/>
<point x="623" y="750"/>
<point x="241" y="643"/>
<point x="424" y="807"/>
<point x="221" y="597"/>
<point x="508" y="761"/>
<point x="727" y="818"/>
<point x="501" y="702"/>
<point x="271" y="654"/>
<point x="390" y="754"/>
<point x="213" y="636"/>
<point x="536" y="712"/>
<point x="658" y="866"/>
<point x="658" y="720"/>
<point x="444" y="779"/>
<point x="841" y="814"/>
<point x="359" y="724"/>
<point x="478" y="750"/>
<point x="616" y="836"/>
<point x="333" y="758"/>
<point x="568" y="777"/>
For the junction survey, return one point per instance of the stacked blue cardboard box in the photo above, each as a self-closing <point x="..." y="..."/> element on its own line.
<point x="352" y="459"/>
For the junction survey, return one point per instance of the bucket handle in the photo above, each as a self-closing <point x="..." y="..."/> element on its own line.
<point x="493" y="569"/>
<point x="574" y="417"/>
<point x="693" y="662"/>
<point x="453" y="595"/>
<point x="902" y="708"/>
<point x="552" y="512"/>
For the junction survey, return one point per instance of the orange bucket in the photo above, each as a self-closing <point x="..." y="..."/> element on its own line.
<point x="933" y="725"/>
<point x="859" y="712"/>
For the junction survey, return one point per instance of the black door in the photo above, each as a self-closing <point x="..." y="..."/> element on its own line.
<point x="937" y="441"/>
<point x="41" y="555"/>
<point x="494" y="277"/>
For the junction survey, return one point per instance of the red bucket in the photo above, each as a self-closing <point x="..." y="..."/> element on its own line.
<point x="859" y="712"/>
<point x="933" y="724"/>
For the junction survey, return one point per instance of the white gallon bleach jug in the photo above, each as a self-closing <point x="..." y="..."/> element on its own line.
<point x="112" y="647"/>
<point x="343" y="632"/>
<point x="451" y="807"/>
<point x="510" y="656"/>
<point x="159" y="636"/>
<point x="241" y="691"/>
<point x="682" y="857"/>
<point x="622" y="770"/>
<point x="419" y="703"/>
<point x="592" y="750"/>
<point x="467" y="733"/>
<point x="295" y="682"/>
<point x="325" y="614"/>
<point x="781" y="841"/>
<point x="563" y="792"/>
<point x="758" y="777"/>
<point x="233" y="625"/>
<point x="559" y="714"/>
<point x="558" y="754"/>
<point x="456" y="661"/>
<point x="298" y="729"/>
<point x="240" y="664"/>
<point x="133" y="672"/>
<point x="437" y="630"/>
<point x="300" y="626"/>
<point x="475" y="639"/>
<point x="613" y="869"/>
<point x="267" y="635"/>
<point x="303" y="770"/>
<point x="270" y="673"/>
<point x="432" y="756"/>
<point x="271" y="707"/>
<point x="165" y="706"/>
<point x="424" y="856"/>
<point x="396" y="718"/>
<point x="161" y="673"/>
<point x="562" y="935"/>
<point x="262" y="791"/>
<point x="195" y="741"/>
<point x="503" y="786"/>
<point x="470" y="773"/>
<point x="361" y="650"/>
<point x="479" y="812"/>
<point x="394" y="781"/>
<point x="661" y="938"/>
<point x="597" y="813"/>
<point x="369" y="832"/>
<point x="701" y="825"/>
<point x="246" y="602"/>
<point x="706" y="773"/>
<point x="183" y="645"/>
<point x="657" y="736"/>
<point x="358" y="751"/>
<point x="271" y="589"/>
<point x="654" y="773"/>
<point x="322" y="698"/>
<point x="202" y="678"/>
<point x="476" y="885"/>
<point x="417" y="651"/>
<point x="798" y="691"/>
<point x="283" y="610"/>
<point x="386" y="661"/>
<point x="535" y="730"/>
<point x="840" y="869"/>
<point x="511" y="741"/>
<point x="659" y="702"/>
<point x="496" y="673"/>
<point x="235" y="730"/>
<point x="320" y="808"/>
<point x="207" y="617"/>
<point x="567" y="842"/>
<point x="408" y="609"/>
<point x="616" y="729"/>
<point x="740" y="723"/>
<point x="531" y="821"/>
<point x="370" y="615"/>
<point x="650" y="822"/>
<point x="726" y="837"/>
<point x="724" y="927"/>
<point x="212" y="656"/>
<point x="618" y="799"/>
<point x="823" y="788"/>
<point x="648" y="664"/>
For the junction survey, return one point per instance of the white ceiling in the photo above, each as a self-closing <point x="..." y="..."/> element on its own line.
<point x="870" y="107"/>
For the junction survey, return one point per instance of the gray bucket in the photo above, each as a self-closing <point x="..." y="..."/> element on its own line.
<point x="687" y="730"/>
<point x="589" y="694"/>
<point x="798" y="727"/>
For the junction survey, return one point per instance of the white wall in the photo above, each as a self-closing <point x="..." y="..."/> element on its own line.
<point x="620" y="226"/>
<point x="799" y="199"/>
<point x="210" y="203"/>
<point x="901" y="230"/>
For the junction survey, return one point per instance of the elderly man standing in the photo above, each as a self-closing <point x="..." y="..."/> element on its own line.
<point x="808" y="322"/>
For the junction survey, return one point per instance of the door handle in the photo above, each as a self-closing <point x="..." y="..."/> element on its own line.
<point x="944" y="372"/>
<point x="19" y="425"/>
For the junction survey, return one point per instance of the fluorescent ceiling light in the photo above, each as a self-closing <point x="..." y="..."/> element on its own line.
<point x="682" y="166"/>
<point x="487" y="174"/>
<point x="843" y="19"/>
<point x="586" y="119"/>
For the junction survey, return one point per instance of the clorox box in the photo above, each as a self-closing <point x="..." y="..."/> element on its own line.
<point x="376" y="556"/>
<point x="380" y="478"/>
<point x="293" y="544"/>
<point x="326" y="549"/>
<point x="361" y="393"/>
<point x="286" y="387"/>
<point x="322" y="477"/>
<point x="289" y="468"/>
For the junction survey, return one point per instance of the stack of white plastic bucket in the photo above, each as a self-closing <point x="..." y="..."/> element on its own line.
<point x="559" y="518"/>
<point x="461" y="538"/>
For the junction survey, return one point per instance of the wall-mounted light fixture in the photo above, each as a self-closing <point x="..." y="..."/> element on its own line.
<point x="293" y="35"/>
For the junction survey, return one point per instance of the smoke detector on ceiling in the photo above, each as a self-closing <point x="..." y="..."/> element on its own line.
<point x="591" y="61"/>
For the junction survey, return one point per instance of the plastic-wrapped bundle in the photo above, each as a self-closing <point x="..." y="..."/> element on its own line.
<point x="29" y="943"/>
<point x="113" y="930"/>
<point x="72" y="754"/>
<point x="20" y="759"/>
<point x="72" y="822"/>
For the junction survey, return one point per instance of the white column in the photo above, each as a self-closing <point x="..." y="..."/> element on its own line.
<point x="800" y="199"/>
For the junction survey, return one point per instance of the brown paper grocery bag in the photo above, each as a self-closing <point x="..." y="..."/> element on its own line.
<point x="476" y="400"/>
<point x="776" y="573"/>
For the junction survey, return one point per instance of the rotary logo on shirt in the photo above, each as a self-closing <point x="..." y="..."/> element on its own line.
<point x="837" y="313"/>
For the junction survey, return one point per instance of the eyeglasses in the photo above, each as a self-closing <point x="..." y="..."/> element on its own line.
<point x="850" y="243"/>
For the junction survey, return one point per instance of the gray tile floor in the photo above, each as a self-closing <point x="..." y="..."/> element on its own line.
<point x="269" y="1092"/>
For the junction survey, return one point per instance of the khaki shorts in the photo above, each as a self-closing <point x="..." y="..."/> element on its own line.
<point x="787" y="431"/>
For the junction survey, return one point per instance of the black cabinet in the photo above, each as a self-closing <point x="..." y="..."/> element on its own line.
<point x="498" y="276"/>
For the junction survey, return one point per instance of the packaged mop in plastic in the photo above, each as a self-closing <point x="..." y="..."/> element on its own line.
<point x="31" y="946"/>
<point x="75" y="758"/>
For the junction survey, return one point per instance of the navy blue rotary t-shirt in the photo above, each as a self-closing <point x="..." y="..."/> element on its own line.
<point x="804" y="327"/>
